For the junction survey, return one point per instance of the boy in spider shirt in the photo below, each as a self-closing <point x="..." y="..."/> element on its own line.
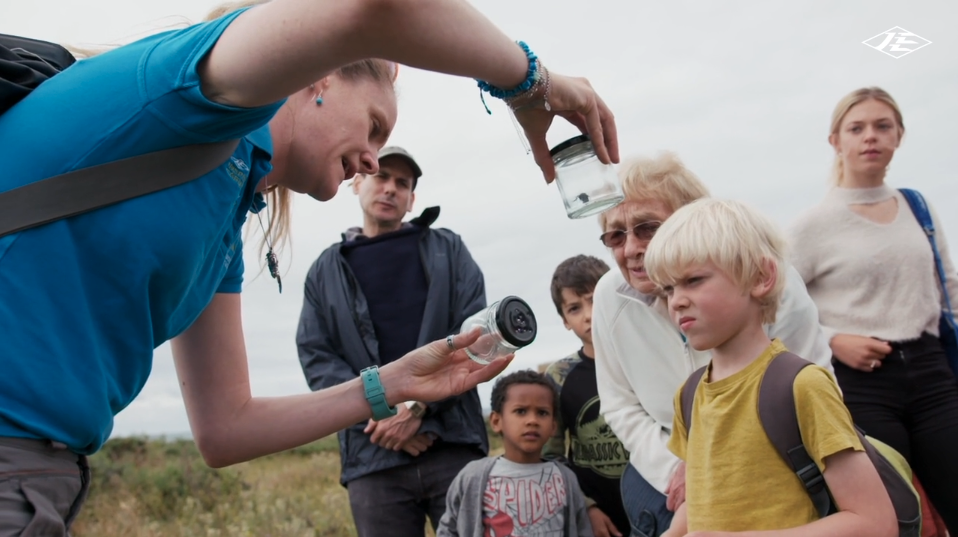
<point x="517" y="493"/>
<point x="592" y="452"/>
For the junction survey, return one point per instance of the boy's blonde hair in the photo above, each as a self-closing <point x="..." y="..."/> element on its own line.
<point x="739" y="240"/>
<point x="664" y="178"/>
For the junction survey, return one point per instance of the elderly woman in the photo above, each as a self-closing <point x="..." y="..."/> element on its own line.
<point x="642" y="358"/>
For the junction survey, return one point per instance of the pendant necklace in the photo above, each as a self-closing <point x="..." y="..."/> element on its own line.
<point x="271" y="261"/>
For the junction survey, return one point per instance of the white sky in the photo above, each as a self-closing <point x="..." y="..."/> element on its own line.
<point x="741" y="90"/>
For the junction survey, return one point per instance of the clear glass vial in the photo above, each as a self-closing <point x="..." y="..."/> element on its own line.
<point x="587" y="186"/>
<point x="506" y="325"/>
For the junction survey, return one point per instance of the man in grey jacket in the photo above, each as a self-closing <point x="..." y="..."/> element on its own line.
<point x="387" y="288"/>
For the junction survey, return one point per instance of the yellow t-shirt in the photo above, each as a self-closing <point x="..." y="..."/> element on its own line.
<point x="735" y="479"/>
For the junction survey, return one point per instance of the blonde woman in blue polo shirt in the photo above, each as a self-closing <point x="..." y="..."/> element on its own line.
<point x="85" y="300"/>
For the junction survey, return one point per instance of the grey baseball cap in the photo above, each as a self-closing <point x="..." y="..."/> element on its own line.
<point x="395" y="150"/>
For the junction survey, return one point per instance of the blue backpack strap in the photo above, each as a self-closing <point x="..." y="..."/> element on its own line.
<point x="779" y="417"/>
<point x="948" y="332"/>
<point x="920" y="209"/>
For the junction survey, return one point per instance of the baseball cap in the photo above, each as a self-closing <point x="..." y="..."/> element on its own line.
<point x="395" y="150"/>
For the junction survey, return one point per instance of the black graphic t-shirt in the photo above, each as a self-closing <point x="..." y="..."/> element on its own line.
<point x="594" y="453"/>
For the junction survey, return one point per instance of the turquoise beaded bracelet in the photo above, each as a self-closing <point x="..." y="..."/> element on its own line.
<point x="533" y="76"/>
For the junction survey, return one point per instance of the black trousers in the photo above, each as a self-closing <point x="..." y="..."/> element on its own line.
<point x="911" y="404"/>
<point x="395" y="502"/>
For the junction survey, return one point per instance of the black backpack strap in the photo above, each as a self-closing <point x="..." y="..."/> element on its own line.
<point x="91" y="188"/>
<point x="688" y="396"/>
<point x="779" y="417"/>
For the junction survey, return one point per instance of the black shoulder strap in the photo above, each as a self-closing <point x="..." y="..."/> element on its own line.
<point x="779" y="417"/>
<point x="91" y="188"/>
<point x="688" y="396"/>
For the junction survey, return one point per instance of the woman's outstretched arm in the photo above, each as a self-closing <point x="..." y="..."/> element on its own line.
<point x="231" y="426"/>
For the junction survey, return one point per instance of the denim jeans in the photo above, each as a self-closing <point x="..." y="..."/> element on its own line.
<point x="644" y="505"/>
<point x="396" y="501"/>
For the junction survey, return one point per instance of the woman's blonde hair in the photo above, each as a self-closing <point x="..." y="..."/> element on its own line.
<point x="662" y="178"/>
<point x="739" y="240"/>
<point x="841" y="110"/>
<point x="279" y="198"/>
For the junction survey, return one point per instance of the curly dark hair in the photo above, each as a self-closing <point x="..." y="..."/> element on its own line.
<point x="526" y="376"/>
<point x="580" y="273"/>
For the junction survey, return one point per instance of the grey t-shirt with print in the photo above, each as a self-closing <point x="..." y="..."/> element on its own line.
<point x="524" y="500"/>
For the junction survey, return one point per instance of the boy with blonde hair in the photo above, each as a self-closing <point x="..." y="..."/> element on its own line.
<point x="641" y="358"/>
<point x="719" y="263"/>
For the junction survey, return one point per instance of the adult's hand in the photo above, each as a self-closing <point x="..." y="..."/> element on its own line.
<point x="418" y="444"/>
<point x="436" y="371"/>
<point x="859" y="352"/>
<point x="602" y="525"/>
<point x="576" y="101"/>
<point x="676" y="488"/>
<point x="392" y="433"/>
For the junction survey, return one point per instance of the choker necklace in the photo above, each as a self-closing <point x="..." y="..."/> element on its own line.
<point x="271" y="261"/>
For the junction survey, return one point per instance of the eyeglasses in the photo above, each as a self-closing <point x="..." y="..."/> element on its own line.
<point x="644" y="232"/>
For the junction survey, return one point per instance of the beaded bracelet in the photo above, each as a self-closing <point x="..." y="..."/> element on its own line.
<point x="537" y="95"/>
<point x="524" y="95"/>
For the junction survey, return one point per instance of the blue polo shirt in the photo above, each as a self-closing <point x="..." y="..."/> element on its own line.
<point x="85" y="300"/>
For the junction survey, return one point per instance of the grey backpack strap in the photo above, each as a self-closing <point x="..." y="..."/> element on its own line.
<point x="688" y="396"/>
<point x="779" y="417"/>
<point x="903" y="499"/>
<point x="91" y="188"/>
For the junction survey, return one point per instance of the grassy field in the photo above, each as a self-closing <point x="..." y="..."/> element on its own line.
<point x="153" y="488"/>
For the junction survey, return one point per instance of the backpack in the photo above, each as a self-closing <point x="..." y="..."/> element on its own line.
<point x="27" y="63"/>
<point x="779" y="418"/>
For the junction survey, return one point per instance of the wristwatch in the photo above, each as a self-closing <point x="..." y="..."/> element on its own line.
<point x="418" y="409"/>
<point x="375" y="394"/>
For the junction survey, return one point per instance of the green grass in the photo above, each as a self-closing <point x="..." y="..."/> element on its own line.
<point x="154" y="487"/>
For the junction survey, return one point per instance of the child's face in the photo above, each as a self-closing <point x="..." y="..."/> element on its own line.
<point x="526" y="423"/>
<point x="577" y="314"/>
<point x="710" y="308"/>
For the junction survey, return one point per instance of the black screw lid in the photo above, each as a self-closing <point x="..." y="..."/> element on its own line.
<point x="515" y="321"/>
<point x="576" y="140"/>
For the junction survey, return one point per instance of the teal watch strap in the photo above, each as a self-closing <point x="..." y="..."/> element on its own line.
<point x="375" y="394"/>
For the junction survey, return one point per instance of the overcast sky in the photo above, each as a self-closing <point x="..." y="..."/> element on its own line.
<point x="742" y="91"/>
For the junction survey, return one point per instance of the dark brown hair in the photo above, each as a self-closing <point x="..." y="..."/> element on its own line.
<point x="526" y="376"/>
<point x="580" y="273"/>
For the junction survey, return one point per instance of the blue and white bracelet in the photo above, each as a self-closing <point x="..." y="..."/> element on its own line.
<point x="533" y="91"/>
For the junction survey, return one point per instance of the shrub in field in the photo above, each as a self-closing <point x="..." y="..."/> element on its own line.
<point x="161" y="476"/>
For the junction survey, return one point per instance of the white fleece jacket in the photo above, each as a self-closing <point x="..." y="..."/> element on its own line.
<point x="641" y="361"/>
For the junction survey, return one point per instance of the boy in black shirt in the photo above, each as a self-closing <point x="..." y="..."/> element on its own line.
<point x="593" y="452"/>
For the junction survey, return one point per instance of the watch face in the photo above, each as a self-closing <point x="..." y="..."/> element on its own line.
<point x="417" y="409"/>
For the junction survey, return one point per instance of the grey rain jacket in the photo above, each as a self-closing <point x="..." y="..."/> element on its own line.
<point x="336" y="340"/>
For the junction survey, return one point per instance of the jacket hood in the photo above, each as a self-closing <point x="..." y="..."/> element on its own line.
<point x="425" y="219"/>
